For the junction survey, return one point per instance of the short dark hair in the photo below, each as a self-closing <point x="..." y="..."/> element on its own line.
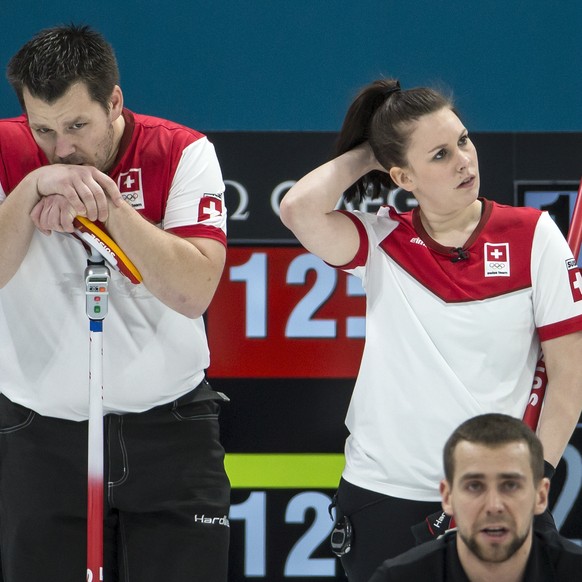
<point x="494" y="430"/>
<point x="57" y="58"/>
<point x="382" y="114"/>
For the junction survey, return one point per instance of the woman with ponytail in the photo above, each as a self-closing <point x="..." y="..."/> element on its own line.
<point x="461" y="292"/>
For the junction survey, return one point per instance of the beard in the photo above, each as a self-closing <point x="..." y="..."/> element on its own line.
<point x="494" y="553"/>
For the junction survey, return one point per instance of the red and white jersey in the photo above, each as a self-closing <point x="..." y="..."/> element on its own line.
<point x="151" y="354"/>
<point x="449" y="335"/>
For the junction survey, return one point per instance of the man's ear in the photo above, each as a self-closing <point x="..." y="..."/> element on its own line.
<point x="401" y="178"/>
<point x="445" y="491"/>
<point x="542" y="493"/>
<point x="116" y="103"/>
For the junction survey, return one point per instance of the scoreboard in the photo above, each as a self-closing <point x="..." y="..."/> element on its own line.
<point x="281" y="312"/>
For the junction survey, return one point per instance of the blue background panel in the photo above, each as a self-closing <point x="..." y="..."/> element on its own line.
<point x="265" y="65"/>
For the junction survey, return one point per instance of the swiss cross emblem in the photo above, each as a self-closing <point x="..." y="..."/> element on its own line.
<point x="496" y="259"/>
<point x="129" y="184"/>
<point x="575" y="279"/>
<point x="210" y="207"/>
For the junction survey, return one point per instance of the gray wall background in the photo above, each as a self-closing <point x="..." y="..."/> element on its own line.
<point x="275" y="65"/>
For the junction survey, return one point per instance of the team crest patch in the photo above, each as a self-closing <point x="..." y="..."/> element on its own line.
<point x="575" y="279"/>
<point x="496" y="260"/>
<point x="129" y="184"/>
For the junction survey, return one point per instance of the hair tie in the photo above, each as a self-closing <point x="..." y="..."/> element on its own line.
<point x="388" y="91"/>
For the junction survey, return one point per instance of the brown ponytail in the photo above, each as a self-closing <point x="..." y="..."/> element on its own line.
<point x="382" y="114"/>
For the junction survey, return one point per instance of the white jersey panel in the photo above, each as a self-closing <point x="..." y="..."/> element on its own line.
<point x="35" y="348"/>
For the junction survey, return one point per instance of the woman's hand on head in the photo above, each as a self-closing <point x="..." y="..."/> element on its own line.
<point x="369" y="160"/>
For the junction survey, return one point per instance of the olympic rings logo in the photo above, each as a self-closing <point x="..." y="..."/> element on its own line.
<point x="131" y="197"/>
<point x="496" y="265"/>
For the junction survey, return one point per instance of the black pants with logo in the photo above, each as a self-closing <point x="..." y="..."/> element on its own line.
<point x="381" y="527"/>
<point x="166" y="495"/>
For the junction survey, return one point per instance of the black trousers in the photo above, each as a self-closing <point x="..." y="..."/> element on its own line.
<point x="381" y="527"/>
<point x="166" y="495"/>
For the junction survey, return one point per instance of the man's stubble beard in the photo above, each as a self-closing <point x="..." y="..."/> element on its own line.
<point x="484" y="554"/>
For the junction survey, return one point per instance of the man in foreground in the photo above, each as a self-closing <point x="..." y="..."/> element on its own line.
<point x="493" y="487"/>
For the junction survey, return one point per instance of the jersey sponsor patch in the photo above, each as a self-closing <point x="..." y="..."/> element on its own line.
<point x="210" y="207"/>
<point x="496" y="260"/>
<point x="129" y="184"/>
<point x="575" y="279"/>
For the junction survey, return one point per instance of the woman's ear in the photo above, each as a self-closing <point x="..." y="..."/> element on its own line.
<point x="401" y="178"/>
